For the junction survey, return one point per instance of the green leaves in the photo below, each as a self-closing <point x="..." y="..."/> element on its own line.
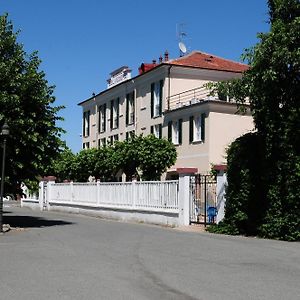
<point x="273" y="87"/>
<point x="26" y="104"/>
<point x="148" y="156"/>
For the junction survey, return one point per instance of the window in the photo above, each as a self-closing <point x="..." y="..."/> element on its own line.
<point x="86" y="145"/>
<point x="102" y="118"/>
<point x="114" y="113"/>
<point x="130" y="134"/>
<point x="156" y="130"/>
<point x="113" y="138"/>
<point x="101" y="142"/>
<point x="197" y="128"/>
<point x="86" y="123"/>
<point x="175" y="132"/>
<point x="156" y="99"/>
<point x="130" y="108"/>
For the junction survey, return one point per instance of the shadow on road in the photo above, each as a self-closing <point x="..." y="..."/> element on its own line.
<point x="30" y="222"/>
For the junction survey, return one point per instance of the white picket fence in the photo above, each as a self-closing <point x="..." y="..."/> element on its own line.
<point x="159" y="202"/>
<point x="146" y="196"/>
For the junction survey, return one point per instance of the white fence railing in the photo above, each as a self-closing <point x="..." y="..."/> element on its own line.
<point x="146" y="196"/>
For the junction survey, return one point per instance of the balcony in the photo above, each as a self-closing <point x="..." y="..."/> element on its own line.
<point x="191" y="97"/>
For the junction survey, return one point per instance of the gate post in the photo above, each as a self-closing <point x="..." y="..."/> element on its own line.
<point x="41" y="194"/>
<point x="45" y="192"/>
<point x="184" y="194"/>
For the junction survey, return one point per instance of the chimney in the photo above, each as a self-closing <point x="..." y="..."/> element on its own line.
<point x="160" y="59"/>
<point x="166" y="55"/>
<point x="154" y="61"/>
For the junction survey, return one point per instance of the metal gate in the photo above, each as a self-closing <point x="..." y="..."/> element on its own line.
<point x="203" y="199"/>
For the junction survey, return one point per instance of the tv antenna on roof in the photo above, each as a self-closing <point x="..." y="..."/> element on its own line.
<point x="181" y="36"/>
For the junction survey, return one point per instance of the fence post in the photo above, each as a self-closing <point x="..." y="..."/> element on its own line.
<point x="41" y="194"/>
<point x="221" y="191"/>
<point x="98" y="191"/>
<point x="71" y="191"/>
<point x="134" y="188"/>
<point x="184" y="194"/>
<point x="50" y="181"/>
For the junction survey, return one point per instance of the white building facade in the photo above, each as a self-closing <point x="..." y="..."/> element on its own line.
<point x="169" y="100"/>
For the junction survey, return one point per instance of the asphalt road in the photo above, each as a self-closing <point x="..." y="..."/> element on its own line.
<point x="61" y="256"/>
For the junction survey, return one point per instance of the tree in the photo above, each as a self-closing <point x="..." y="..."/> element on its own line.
<point x="273" y="87"/>
<point x="84" y="164"/>
<point x="63" y="166"/>
<point x="151" y="155"/>
<point x="155" y="156"/>
<point x="26" y="104"/>
<point x="126" y="156"/>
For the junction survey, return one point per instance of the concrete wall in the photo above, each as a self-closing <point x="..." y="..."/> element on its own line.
<point x="223" y="129"/>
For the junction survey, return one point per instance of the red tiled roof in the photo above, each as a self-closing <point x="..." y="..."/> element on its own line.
<point x="202" y="60"/>
<point x="146" y="67"/>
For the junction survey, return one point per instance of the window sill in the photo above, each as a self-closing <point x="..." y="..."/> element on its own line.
<point x="156" y="117"/>
<point x="197" y="142"/>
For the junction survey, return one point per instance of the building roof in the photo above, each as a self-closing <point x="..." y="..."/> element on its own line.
<point x="197" y="59"/>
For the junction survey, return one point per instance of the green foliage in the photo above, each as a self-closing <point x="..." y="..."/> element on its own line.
<point x="64" y="166"/>
<point x="107" y="164"/>
<point x="26" y="104"/>
<point x="126" y="156"/>
<point x="150" y="155"/>
<point x="246" y="205"/>
<point x="156" y="155"/>
<point x="273" y="87"/>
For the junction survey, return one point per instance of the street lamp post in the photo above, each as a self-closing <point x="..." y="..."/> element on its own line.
<point x="4" y="134"/>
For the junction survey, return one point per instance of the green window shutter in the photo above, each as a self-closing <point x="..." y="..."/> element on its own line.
<point x="180" y="131"/>
<point x="104" y="117"/>
<point x="203" y="127"/>
<point x="99" y="118"/>
<point x="160" y="131"/>
<point x="133" y="105"/>
<point x="127" y="109"/>
<point x="161" y="85"/>
<point x="152" y="100"/>
<point x="111" y="114"/>
<point x="191" y="129"/>
<point x="170" y="131"/>
<point x="151" y="129"/>
<point x="83" y="127"/>
<point x="118" y="111"/>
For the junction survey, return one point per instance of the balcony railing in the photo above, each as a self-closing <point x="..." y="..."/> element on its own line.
<point x="189" y="97"/>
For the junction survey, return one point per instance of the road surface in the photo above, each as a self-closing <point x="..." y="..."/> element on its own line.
<point x="67" y="256"/>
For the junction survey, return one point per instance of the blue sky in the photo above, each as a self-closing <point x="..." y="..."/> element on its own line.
<point x="81" y="41"/>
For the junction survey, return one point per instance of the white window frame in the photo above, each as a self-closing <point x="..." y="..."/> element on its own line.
<point x="115" y="114"/>
<point x="102" y="116"/>
<point x="197" y="129"/>
<point x="86" y="120"/>
<point x="175" y="132"/>
<point x="156" y="130"/>
<point x="131" y="108"/>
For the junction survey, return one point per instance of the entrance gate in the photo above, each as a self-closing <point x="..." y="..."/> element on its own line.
<point x="203" y="199"/>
